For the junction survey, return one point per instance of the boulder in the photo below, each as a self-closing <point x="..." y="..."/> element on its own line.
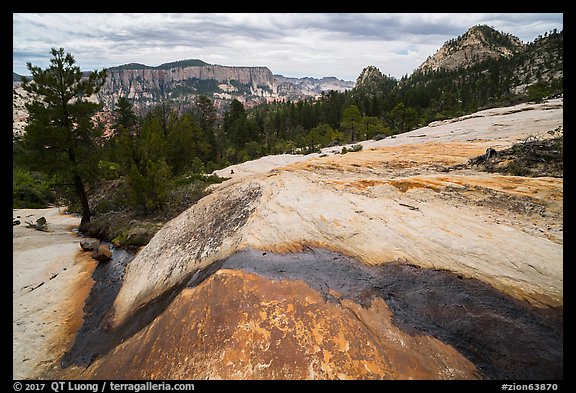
<point x="102" y="253"/>
<point x="89" y="244"/>
<point x="41" y="224"/>
<point x="139" y="236"/>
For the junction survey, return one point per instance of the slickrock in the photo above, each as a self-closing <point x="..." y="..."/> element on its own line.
<point x="399" y="261"/>
<point x="239" y="325"/>
<point x="50" y="281"/>
<point x="399" y="199"/>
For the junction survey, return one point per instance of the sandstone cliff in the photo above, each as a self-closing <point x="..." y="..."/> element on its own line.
<point x="151" y="85"/>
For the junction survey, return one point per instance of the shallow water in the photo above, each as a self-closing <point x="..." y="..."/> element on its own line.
<point x="505" y="338"/>
<point x="92" y="338"/>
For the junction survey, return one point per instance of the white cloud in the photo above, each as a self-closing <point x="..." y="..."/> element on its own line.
<point x="318" y="45"/>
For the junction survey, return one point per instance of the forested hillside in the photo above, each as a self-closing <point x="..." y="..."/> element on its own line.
<point x="175" y="147"/>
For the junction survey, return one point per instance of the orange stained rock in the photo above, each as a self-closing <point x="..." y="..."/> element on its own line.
<point x="542" y="188"/>
<point x="73" y="308"/>
<point x="400" y="156"/>
<point x="238" y="325"/>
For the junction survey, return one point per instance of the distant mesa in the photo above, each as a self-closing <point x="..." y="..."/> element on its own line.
<point x="164" y="66"/>
<point x="515" y="66"/>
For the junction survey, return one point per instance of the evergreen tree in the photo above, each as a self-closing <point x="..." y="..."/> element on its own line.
<point x="321" y="136"/>
<point x="124" y="113"/>
<point x="60" y="136"/>
<point x="351" y="121"/>
<point x="122" y="145"/>
<point x="236" y="124"/>
<point x="206" y="115"/>
<point x="149" y="173"/>
<point x="185" y="142"/>
<point x="403" y="118"/>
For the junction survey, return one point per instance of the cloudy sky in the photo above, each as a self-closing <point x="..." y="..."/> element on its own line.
<point x="296" y="45"/>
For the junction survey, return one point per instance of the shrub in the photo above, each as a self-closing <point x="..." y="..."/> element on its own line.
<point x="31" y="190"/>
<point x="515" y="169"/>
<point x="109" y="170"/>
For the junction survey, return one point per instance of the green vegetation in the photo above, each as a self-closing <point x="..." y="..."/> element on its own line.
<point x="182" y="63"/>
<point x="131" y="66"/>
<point x="195" y="86"/>
<point x="60" y="137"/>
<point x="155" y="165"/>
<point x="165" y="66"/>
<point x="31" y="189"/>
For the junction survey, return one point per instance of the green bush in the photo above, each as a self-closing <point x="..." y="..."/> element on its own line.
<point x="147" y="190"/>
<point x="515" y="169"/>
<point x="31" y="190"/>
<point x="109" y="170"/>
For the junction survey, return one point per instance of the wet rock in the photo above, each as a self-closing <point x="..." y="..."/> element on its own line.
<point x="102" y="253"/>
<point x="93" y="337"/>
<point x="416" y="317"/>
<point x="238" y="325"/>
<point x="89" y="244"/>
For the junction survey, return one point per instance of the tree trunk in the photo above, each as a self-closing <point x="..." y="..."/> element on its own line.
<point x="81" y="192"/>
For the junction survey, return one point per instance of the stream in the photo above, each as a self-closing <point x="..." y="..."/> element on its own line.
<point x="504" y="337"/>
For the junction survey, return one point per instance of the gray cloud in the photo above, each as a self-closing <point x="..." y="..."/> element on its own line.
<point x="318" y="45"/>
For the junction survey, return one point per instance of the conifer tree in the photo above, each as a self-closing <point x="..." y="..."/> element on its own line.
<point x="61" y="137"/>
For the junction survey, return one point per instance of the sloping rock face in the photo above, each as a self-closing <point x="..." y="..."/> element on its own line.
<point x="413" y="222"/>
<point x="239" y="325"/>
<point x="395" y="203"/>
<point x="477" y="44"/>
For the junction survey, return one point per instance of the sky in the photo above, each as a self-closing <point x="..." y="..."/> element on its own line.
<point x="294" y="45"/>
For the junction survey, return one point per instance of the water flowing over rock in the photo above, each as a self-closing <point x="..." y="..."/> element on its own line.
<point x="398" y="261"/>
<point x="398" y="202"/>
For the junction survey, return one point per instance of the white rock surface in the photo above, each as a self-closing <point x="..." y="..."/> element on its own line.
<point x="393" y="201"/>
<point x="51" y="278"/>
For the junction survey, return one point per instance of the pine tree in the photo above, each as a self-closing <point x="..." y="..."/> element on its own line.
<point x="60" y="136"/>
<point x="351" y="121"/>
